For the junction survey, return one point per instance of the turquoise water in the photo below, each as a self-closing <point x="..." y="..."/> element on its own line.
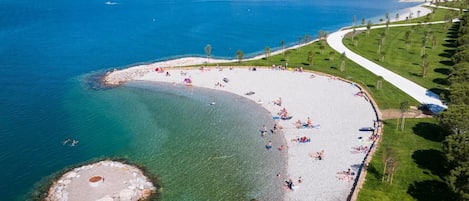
<point x="50" y="49"/>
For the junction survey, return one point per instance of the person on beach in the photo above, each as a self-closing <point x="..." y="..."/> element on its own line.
<point x="278" y="102"/>
<point x="299" y="124"/>
<point x="269" y="145"/>
<point x="264" y="130"/>
<point x="309" y="122"/>
<point x="289" y="184"/>
<point x="274" y="130"/>
<point x="281" y="148"/>
<point x="300" y="180"/>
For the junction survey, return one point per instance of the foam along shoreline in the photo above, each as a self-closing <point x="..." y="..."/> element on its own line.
<point x="336" y="108"/>
<point x="103" y="181"/>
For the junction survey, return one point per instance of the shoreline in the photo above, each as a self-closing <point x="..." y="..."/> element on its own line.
<point x="327" y="100"/>
<point x="295" y="164"/>
<point x="117" y="77"/>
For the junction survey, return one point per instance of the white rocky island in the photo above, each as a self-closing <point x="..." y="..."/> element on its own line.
<point x="104" y="181"/>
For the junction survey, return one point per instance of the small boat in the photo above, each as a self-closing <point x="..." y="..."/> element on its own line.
<point x="110" y="3"/>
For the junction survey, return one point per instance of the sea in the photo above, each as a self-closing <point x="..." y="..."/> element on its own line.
<point x="53" y="53"/>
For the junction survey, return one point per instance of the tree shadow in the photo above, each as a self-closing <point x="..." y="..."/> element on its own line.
<point x="306" y="64"/>
<point x="431" y="190"/>
<point x="444" y="71"/>
<point x="371" y="170"/>
<point x="432" y="160"/>
<point x="441" y="81"/>
<point x="439" y="91"/>
<point x="430" y="131"/>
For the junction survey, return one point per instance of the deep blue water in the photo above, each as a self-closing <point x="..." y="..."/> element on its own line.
<point x="49" y="48"/>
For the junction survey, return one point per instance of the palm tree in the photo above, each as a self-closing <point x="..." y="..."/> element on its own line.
<point x="397" y="16"/>
<point x="363" y="21"/>
<point x="354" y="18"/>
<point x="239" y="55"/>
<point x="354" y="31"/>
<point x="267" y="52"/>
<point x="310" y="57"/>
<point x="322" y="37"/>
<point x="343" y="57"/>
<point x="418" y="13"/>
<point x="208" y="51"/>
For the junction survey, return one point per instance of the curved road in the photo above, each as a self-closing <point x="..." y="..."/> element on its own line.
<point x="414" y="90"/>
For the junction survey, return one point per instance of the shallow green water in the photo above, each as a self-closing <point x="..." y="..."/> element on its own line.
<point x="197" y="150"/>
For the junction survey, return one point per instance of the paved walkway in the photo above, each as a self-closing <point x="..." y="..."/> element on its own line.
<point x="414" y="90"/>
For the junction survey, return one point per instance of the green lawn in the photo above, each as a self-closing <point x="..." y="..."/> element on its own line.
<point x="407" y="60"/>
<point x="420" y="164"/>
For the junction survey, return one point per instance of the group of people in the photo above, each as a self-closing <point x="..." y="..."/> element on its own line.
<point x="72" y="142"/>
<point x="360" y="149"/>
<point x="289" y="183"/>
<point x="346" y="175"/>
<point x="284" y="114"/>
<point x="303" y="139"/>
<point x="308" y="124"/>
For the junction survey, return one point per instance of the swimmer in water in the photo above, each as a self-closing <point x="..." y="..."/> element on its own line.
<point x="74" y="142"/>
<point x="66" y="141"/>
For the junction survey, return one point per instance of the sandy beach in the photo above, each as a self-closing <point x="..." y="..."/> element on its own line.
<point x="334" y="106"/>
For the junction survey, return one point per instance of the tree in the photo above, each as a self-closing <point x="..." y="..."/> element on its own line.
<point x="299" y="42"/>
<point x="354" y="18"/>
<point x="390" y="165"/>
<point x="424" y="46"/>
<point x="267" y="52"/>
<point x="403" y="109"/>
<point x="408" y="44"/>
<point x="322" y="37"/>
<point x="310" y="57"/>
<point x="282" y="44"/>
<point x="355" y="42"/>
<point x="382" y="54"/>
<point x="379" y="82"/>
<point x="380" y="43"/>
<point x="457" y="152"/>
<point x="208" y="51"/>
<point x="342" y="58"/>
<point x="331" y="55"/>
<point x="397" y="16"/>
<point x="456" y="118"/>
<point x="239" y="55"/>
<point x="287" y="57"/>
<point x="434" y="42"/>
<point x="425" y="65"/>
<point x="368" y="27"/>
<point x="321" y="48"/>
<point x="418" y="13"/>
<point x="307" y="38"/>
<point x="363" y="21"/>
